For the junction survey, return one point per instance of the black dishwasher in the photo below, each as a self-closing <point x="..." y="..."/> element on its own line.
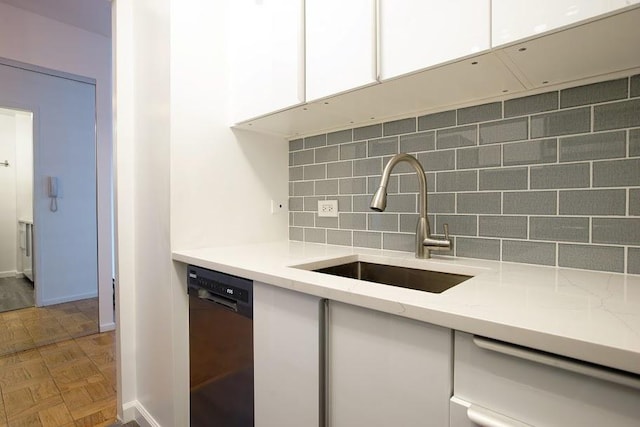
<point x="220" y="349"/>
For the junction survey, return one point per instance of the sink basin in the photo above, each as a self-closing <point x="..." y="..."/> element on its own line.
<point x="403" y="277"/>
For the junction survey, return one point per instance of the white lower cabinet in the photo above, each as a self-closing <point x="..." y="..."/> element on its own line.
<point x="286" y="337"/>
<point x="385" y="370"/>
<point x="500" y="384"/>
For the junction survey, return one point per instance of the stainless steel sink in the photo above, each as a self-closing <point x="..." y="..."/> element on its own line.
<point x="404" y="277"/>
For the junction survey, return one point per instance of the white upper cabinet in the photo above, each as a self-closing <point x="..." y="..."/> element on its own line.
<point x="517" y="19"/>
<point x="340" y="46"/>
<point x="416" y="34"/>
<point x="266" y="49"/>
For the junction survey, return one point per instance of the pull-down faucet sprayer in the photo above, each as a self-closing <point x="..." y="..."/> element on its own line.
<point x="424" y="242"/>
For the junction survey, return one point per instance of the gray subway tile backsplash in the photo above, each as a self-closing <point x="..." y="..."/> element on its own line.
<point x="633" y="261"/>
<point x="437" y="120"/>
<point x="479" y="203"/>
<point x="621" y="231"/>
<point x="634" y="202"/>
<point x="367" y="132"/>
<point x="616" y="115"/>
<point x="594" y="93"/>
<point x="416" y="142"/>
<point x="356" y="150"/>
<point x="564" y="122"/>
<point x="635" y="86"/>
<point x="634" y="142"/>
<point x="480" y="113"/>
<point x="534" y="185"/>
<point x="340" y="237"/>
<point x="315" y="141"/>
<point x="438" y="160"/>
<point x="383" y="146"/>
<point x="479" y="157"/>
<point x="605" y="145"/>
<point x="563" y="229"/>
<point x="478" y="248"/>
<point x="457" y="181"/>
<point x="616" y="173"/>
<point x="397" y="127"/>
<point x="462" y="136"/>
<point x="530" y="202"/>
<point x="366" y="239"/>
<point x="531" y="104"/>
<point x="591" y="257"/>
<point x="530" y="152"/>
<point x="593" y="202"/>
<point x="441" y="202"/>
<point x="504" y="131"/>
<point x="340" y="137"/>
<point x="573" y="175"/>
<point x="502" y="226"/>
<point x="504" y="179"/>
<point x="529" y="252"/>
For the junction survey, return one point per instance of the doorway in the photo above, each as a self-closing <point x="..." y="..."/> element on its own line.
<point x="16" y="215"/>
<point x="59" y="233"/>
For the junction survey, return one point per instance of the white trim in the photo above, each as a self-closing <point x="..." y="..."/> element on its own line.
<point x="69" y="298"/>
<point x="106" y="327"/>
<point x="135" y="411"/>
<point x="10" y="273"/>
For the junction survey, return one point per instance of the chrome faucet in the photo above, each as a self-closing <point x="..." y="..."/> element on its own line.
<point x="424" y="242"/>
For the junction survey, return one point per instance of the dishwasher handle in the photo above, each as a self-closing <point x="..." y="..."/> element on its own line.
<point x="206" y="295"/>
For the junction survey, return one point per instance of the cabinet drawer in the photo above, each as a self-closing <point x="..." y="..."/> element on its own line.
<point x="540" y="389"/>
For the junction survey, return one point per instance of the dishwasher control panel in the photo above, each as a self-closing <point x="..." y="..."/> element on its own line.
<point x="232" y="291"/>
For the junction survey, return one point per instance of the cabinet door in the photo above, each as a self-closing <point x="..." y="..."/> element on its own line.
<point x="266" y="50"/>
<point x="340" y="46"/>
<point x="513" y="20"/>
<point x="286" y="332"/>
<point x="416" y="34"/>
<point x="385" y="370"/>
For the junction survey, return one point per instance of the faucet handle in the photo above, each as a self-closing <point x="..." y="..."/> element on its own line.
<point x="446" y="231"/>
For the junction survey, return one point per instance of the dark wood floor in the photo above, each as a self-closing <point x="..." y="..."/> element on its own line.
<point x="15" y="293"/>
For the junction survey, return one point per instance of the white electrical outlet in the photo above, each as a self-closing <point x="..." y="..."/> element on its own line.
<point x="278" y="206"/>
<point x="328" y="208"/>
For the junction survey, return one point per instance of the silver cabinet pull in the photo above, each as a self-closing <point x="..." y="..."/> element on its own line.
<point x="558" y="362"/>
<point x="487" y="418"/>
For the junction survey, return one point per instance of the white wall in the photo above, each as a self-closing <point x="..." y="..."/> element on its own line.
<point x="173" y="139"/>
<point x="24" y="165"/>
<point x="40" y="41"/>
<point x="8" y="223"/>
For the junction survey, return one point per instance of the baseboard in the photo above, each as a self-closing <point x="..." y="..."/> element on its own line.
<point x="70" y="298"/>
<point x="134" y="411"/>
<point x="106" y="327"/>
<point x="5" y="274"/>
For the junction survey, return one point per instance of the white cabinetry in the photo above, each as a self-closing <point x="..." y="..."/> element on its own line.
<point x="286" y="357"/>
<point x="385" y="370"/>
<point x="416" y="34"/>
<point x="340" y="46"/>
<point x="517" y="19"/>
<point x="507" y="385"/>
<point x="266" y="48"/>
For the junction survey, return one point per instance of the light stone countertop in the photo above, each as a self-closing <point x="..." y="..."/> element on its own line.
<point x="587" y="315"/>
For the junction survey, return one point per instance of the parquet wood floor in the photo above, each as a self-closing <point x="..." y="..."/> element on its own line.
<point x="33" y="327"/>
<point x="68" y="383"/>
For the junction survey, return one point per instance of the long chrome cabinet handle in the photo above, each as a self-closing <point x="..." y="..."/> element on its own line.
<point x="487" y="418"/>
<point x="323" y="368"/>
<point x="558" y="362"/>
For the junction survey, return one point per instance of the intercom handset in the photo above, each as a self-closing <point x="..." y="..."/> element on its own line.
<point x="53" y="192"/>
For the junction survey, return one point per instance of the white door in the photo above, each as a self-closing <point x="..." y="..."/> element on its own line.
<point x="65" y="240"/>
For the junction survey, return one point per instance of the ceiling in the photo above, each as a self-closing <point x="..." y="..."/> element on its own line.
<point x="90" y="15"/>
